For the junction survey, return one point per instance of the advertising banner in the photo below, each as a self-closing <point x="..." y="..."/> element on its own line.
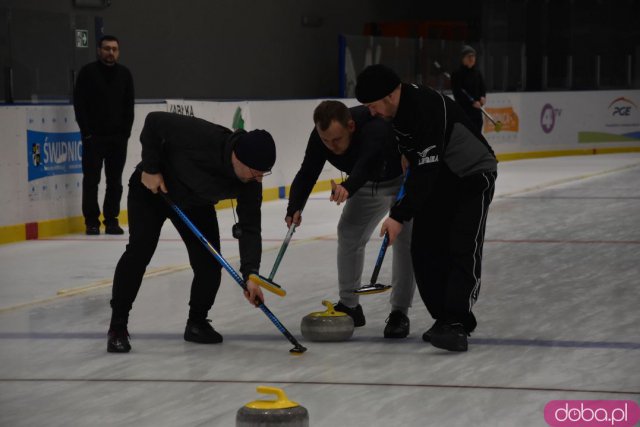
<point x="618" y="120"/>
<point x="53" y="153"/>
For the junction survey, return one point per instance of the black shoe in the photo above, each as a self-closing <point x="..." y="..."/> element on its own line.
<point x="427" y="335"/>
<point x="397" y="325"/>
<point x="450" y="336"/>
<point x="92" y="230"/>
<point x="202" y="332"/>
<point x="355" y="313"/>
<point x="118" y="341"/>
<point x="113" y="229"/>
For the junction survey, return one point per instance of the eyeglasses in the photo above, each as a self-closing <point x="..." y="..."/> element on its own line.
<point x="109" y="48"/>
<point x="260" y="174"/>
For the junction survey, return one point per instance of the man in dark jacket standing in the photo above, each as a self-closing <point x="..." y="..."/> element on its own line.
<point x="468" y="87"/>
<point x="103" y="101"/>
<point x="452" y="180"/>
<point x="196" y="163"/>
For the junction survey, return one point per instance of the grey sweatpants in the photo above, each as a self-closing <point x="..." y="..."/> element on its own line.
<point x="361" y="215"/>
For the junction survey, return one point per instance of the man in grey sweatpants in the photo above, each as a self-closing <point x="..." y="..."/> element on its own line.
<point x="363" y="147"/>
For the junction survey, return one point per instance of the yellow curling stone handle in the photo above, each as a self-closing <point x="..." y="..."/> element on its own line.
<point x="282" y="401"/>
<point x="329" y="312"/>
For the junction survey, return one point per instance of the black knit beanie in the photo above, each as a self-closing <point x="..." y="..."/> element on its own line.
<point x="375" y="82"/>
<point x="256" y="149"/>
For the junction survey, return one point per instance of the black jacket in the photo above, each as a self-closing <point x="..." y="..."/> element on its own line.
<point x="103" y="100"/>
<point x="372" y="156"/>
<point x="194" y="157"/>
<point x="468" y="82"/>
<point x="434" y="133"/>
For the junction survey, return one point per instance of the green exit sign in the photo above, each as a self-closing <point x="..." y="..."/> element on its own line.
<point x="82" y="38"/>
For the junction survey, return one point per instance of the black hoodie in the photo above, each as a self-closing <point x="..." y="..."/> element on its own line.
<point x="194" y="157"/>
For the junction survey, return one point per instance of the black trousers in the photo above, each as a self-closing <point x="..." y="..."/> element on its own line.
<point x="96" y="151"/>
<point x="446" y="246"/>
<point x="147" y="214"/>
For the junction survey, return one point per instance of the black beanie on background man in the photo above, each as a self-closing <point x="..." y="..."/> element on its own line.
<point x="375" y="82"/>
<point x="256" y="149"/>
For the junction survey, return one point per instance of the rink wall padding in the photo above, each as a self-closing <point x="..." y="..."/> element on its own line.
<point x="41" y="174"/>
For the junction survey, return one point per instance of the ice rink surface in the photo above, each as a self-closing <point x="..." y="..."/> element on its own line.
<point x="558" y="319"/>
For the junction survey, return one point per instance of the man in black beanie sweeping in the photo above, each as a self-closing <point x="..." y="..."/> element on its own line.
<point x="452" y="180"/>
<point x="196" y="163"/>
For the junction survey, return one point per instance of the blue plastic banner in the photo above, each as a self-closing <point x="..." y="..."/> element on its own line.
<point x="53" y="153"/>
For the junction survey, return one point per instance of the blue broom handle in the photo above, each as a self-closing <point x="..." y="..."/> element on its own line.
<point x="205" y="242"/>
<point x="385" y="241"/>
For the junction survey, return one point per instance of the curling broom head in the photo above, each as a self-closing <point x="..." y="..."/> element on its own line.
<point x="268" y="284"/>
<point x="372" y="288"/>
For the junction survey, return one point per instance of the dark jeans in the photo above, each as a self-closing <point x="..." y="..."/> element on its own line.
<point x="446" y="246"/>
<point x="112" y="151"/>
<point x="147" y="213"/>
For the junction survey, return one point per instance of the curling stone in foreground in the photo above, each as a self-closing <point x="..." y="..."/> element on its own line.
<point x="329" y="325"/>
<point x="279" y="412"/>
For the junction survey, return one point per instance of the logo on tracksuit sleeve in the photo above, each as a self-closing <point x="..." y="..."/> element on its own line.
<point x="425" y="158"/>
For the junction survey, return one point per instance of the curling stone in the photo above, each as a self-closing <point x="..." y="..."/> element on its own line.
<point x="279" y="412"/>
<point x="329" y="325"/>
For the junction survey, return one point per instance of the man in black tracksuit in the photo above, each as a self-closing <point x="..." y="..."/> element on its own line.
<point x="452" y="180"/>
<point x="468" y="87"/>
<point x="103" y="101"/>
<point x="196" y="163"/>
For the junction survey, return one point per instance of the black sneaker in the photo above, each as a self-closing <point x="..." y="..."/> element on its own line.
<point x="113" y="229"/>
<point x="202" y="332"/>
<point x="92" y="230"/>
<point x="118" y="341"/>
<point x="450" y="336"/>
<point x="427" y="335"/>
<point x="397" y="325"/>
<point x="355" y="313"/>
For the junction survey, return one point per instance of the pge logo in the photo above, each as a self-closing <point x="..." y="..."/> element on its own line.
<point x="622" y="107"/>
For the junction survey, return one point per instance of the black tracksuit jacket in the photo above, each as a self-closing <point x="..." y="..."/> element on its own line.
<point x="437" y="138"/>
